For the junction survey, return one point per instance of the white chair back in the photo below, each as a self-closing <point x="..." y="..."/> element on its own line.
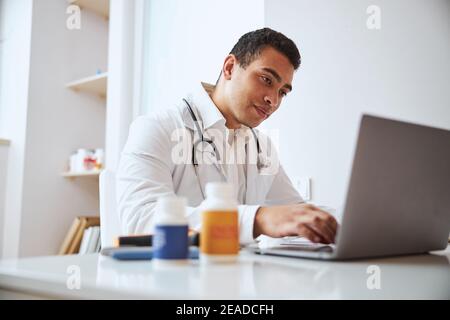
<point x="109" y="217"/>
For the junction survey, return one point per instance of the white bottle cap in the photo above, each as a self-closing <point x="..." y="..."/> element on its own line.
<point x="219" y="189"/>
<point x="171" y="210"/>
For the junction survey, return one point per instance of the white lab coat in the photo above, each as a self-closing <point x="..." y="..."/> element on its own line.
<point x="147" y="170"/>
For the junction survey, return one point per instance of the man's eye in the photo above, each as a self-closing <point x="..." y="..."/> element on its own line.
<point x="266" y="80"/>
<point x="283" y="93"/>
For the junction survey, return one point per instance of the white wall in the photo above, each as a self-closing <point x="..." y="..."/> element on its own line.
<point x="187" y="42"/>
<point x="124" y="70"/>
<point x="57" y="122"/>
<point x="15" y="62"/>
<point x="400" y="71"/>
<point x="3" y="166"/>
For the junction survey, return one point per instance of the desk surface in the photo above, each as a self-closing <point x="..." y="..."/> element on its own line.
<point x="252" y="277"/>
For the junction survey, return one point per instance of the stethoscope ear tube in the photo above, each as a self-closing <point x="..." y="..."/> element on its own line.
<point x="258" y="148"/>
<point x="202" y="137"/>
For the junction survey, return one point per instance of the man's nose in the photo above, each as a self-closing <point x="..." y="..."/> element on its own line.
<point x="271" y="100"/>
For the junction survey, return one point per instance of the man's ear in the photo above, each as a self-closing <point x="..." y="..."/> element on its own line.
<point x="229" y="66"/>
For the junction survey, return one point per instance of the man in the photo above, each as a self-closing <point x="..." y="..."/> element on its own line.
<point x="255" y="77"/>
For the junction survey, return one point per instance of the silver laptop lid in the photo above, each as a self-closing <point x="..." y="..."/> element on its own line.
<point x="398" y="200"/>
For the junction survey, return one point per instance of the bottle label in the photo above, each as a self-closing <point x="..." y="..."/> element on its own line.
<point x="170" y="242"/>
<point x="220" y="232"/>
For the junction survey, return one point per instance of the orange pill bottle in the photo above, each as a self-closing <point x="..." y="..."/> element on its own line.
<point x="219" y="237"/>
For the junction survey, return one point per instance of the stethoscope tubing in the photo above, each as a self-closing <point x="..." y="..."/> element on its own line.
<point x="209" y="141"/>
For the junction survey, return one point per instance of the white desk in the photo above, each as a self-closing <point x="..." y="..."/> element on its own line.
<point x="253" y="277"/>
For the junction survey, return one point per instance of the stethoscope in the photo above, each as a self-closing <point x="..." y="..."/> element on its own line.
<point x="262" y="161"/>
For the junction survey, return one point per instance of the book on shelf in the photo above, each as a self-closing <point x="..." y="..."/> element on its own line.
<point x="98" y="247"/>
<point x="93" y="239"/>
<point x="73" y="241"/>
<point x="85" y="241"/>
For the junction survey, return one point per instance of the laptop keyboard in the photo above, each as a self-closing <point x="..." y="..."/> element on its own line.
<point x="312" y="247"/>
<point x="299" y="243"/>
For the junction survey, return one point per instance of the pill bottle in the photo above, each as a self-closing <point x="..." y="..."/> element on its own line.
<point x="82" y="154"/>
<point x="219" y="235"/>
<point x="99" y="158"/>
<point x="170" y="238"/>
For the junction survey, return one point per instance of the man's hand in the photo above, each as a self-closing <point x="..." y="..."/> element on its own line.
<point x="303" y="220"/>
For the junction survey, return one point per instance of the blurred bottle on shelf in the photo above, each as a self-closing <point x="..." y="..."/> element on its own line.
<point x="99" y="156"/>
<point x="86" y="160"/>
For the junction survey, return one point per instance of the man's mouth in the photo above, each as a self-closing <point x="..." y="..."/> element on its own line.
<point x="261" y="112"/>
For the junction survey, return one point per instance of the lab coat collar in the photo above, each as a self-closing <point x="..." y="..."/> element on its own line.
<point x="207" y="112"/>
<point x="205" y="109"/>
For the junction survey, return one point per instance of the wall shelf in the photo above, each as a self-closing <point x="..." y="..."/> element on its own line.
<point x="101" y="7"/>
<point x="93" y="173"/>
<point x="94" y="84"/>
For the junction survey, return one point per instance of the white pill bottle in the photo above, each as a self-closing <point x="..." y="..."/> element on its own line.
<point x="170" y="238"/>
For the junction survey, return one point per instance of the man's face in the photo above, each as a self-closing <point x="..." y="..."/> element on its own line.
<point x="257" y="91"/>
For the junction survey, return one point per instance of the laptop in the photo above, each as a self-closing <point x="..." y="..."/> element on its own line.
<point x="398" y="197"/>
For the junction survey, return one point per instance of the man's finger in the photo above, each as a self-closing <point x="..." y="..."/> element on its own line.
<point x="319" y="231"/>
<point x="317" y="222"/>
<point x="328" y="219"/>
<point x="321" y="223"/>
<point x="307" y="232"/>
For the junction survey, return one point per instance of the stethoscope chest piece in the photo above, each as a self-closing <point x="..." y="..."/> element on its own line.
<point x="263" y="162"/>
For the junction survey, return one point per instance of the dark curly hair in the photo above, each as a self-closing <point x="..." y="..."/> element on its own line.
<point x="250" y="45"/>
